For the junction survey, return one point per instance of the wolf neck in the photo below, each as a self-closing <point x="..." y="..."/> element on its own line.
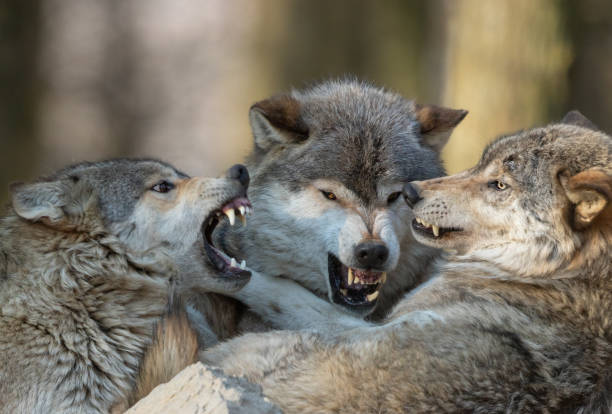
<point x="112" y="296"/>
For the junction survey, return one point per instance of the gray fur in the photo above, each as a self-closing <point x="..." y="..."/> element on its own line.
<point x="89" y="258"/>
<point x="504" y="326"/>
<point x="351" y="132"/>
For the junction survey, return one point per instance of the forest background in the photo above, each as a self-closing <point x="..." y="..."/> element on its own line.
<point x="92" y="79"/>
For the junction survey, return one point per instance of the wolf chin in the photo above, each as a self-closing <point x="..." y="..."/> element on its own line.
<point x="91" y="259"/>
<point x="516" y="317"/>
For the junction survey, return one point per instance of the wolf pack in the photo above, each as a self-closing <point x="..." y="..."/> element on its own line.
<point x="339" y="269"/>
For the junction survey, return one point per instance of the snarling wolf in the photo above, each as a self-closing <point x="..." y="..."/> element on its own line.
<point x="90" y="260"/>
<point x="328" y="166"/>
<point x="517" y="317"/>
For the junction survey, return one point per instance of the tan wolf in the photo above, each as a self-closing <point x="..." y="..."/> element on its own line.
<point x="90" y="259"/>
<point x="516" y="318"/>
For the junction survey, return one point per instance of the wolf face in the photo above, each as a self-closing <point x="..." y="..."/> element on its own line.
<point x="328" y="169"/>
<point x="528" y="205"/>
<point x="146" y="204"/>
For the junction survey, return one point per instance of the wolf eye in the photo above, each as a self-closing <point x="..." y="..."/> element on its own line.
<point x="393" y="196"/>
<point x="329" y="195"/>
<point x="497" y="185"/>
<point x="163" y="187"/>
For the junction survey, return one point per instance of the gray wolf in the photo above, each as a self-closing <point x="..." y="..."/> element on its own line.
<point x="91" y="258"/>
<point x="516" y="318"/>
<point x="327" y="168"/>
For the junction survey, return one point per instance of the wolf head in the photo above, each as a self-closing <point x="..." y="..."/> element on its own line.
<point x="328" y="166"/>
<point x="146" y="204"/>
<point x="536" y="202"/>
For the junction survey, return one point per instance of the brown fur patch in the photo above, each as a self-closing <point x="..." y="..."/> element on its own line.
<point x="175" y="347"/>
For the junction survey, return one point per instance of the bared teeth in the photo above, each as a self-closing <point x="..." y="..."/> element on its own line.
<point x="231" y="215"/>
<point x="242" y="210"/>
<point x="243" y="264"/>
<point x="372" y="296"/>
<point x="436" y="230"/>
<point x="233" y="262"/>
<point x="243" y="219"/>
<point x="351" y="276"/>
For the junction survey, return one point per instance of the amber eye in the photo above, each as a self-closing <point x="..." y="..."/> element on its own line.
<point x="329" y="195"/>
<point x="393" y="197"/>
<point x="497" y="185"/>
<point x="163" y="187"/>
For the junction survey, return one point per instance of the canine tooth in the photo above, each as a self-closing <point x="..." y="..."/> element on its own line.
<point x="243" y="219"/>
<point x="233" y="262"/>
<point x="243" y="264"/>
<point x="351" y="277"/>
<point x="344" y="291"/>
<point x="383" y="278"/>
<point x="230" y="215"/>
<point x="372" y="296"/>
<point x="418" y="220"/>
<point x="242" y="210"/>
<point x="436" y="230"/>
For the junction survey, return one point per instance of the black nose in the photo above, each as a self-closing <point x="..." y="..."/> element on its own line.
<point x="411" y="194"/>
<point x="371" y="254"/>
<point x="239" y="172"/>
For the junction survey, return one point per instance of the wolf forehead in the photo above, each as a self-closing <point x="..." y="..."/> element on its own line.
<point x="358" y="134"/>
<point x="564" y="147"/>
<point x="119" y="182"/>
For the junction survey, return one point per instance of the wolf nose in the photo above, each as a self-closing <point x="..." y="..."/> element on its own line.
<point x="411" y="194"/>
<point x="371" y="254"/>
<point x="239" y="172"/>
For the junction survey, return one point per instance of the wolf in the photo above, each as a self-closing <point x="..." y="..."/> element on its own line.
<point x="516" y="317"/>
<point x="91" y="259"/>
<point x="327" y="168"/>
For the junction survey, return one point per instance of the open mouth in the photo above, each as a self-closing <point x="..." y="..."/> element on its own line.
<point x="431" y="230"/>
<point x="354" y="288"/>
<point x="228" y="266"/>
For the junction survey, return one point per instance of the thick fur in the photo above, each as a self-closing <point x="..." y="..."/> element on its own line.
<point x="515" y="319"/>
<point x="360" y="143"/>
<point x="89" y="258"/>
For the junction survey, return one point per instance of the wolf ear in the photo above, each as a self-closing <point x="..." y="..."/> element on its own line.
<point x="277" y="120"/>
<point x="437" y="123"/>
<point x="590" y="192"/>
<point x="52" y="202"/>
<point x="576" y="118"/>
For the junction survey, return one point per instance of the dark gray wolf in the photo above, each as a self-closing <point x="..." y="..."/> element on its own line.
<point x="516" y="318"/>
<point x="328" y="167"/>
<point x="90" y="258"/>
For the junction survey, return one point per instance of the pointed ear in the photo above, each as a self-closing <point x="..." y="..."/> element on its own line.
<point x="590" y="193"/>
<point x="52" y="202"/>
<point x="576" y="118"/>
<point x="277" y="120"/>
<point x="39" y="200"/>
<point x="437" y="123"/>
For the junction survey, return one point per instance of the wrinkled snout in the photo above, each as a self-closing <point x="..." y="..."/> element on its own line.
<point x="239" y="172"/>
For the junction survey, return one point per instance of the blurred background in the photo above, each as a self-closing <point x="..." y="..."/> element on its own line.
<point x="91" y="79"/>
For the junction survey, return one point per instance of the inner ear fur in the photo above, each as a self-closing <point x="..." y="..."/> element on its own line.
<point x="590" y="192"/>
<point x="277" y="120"/>
<point x="437" y="124"/>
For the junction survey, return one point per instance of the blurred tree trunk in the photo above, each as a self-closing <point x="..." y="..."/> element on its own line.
<point x="19" y="89"/>
<point x="591" y="71"/>
<point x="394" y="43"/>
<point x="506" y="63"/>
